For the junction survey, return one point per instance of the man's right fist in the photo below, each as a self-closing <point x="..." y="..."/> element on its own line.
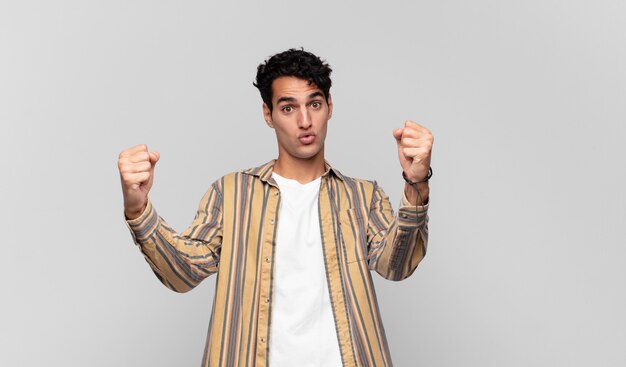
<point x="137" y="172"/>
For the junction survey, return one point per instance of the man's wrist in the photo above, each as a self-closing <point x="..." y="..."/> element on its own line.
<point x="132" y="214"/>
<point x="416" y="181"/>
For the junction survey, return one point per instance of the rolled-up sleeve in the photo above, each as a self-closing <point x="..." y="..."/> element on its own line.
<point x="397" y="243"/>
<point x="181" y="261"/>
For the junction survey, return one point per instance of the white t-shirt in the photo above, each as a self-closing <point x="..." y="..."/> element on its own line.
<point x="302" y="328"/>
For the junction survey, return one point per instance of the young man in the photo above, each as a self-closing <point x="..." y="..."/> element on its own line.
<point x="292" y="241"/>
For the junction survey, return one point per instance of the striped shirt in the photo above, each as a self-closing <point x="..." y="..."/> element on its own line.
<point x="234" y="236"/>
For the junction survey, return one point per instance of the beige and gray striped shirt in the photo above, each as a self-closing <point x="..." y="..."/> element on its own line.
<point x="234" y="236"/>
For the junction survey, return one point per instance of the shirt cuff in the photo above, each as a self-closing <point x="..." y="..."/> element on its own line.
<point x="411" y="215"/>
<point x="144" y="226"/>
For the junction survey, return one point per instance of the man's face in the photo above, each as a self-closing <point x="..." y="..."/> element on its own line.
<point x="299" y="117"/>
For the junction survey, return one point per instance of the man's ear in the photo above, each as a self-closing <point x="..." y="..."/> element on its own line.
<point x="267" y="115"/>
<point x="330" y="106"/>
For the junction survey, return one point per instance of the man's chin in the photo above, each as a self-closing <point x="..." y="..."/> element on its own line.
<point x="310" y="155"/>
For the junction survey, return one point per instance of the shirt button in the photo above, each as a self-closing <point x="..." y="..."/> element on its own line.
<point x="267" y="300"/>
<point x="262" y="340"/>
<point x="271" y="221"/>
<point x="267" y="259"/>
<point x="404" y="215"/>
<point x="275" y="193"/>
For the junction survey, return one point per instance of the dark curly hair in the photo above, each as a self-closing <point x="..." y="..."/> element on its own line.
<point x="293" y="62"/>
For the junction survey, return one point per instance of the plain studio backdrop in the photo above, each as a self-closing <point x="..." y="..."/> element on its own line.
<point x="526" y="264"/>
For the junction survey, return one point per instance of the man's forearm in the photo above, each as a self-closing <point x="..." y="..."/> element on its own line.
<point x="412" y="195"/>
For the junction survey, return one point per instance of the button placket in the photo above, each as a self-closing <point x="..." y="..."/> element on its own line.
<point x="266" y="268"/>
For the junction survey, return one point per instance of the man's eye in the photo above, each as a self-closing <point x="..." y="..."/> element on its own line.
<point x="287" y="109"/>
<point x="316" y="105"/>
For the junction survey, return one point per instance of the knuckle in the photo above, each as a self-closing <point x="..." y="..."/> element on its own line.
<point x="141" y="156"/>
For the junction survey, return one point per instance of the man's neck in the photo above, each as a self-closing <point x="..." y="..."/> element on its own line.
<point x="301" y="170"/>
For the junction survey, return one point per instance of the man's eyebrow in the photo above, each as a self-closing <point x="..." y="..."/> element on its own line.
<point x="292" y="99"/>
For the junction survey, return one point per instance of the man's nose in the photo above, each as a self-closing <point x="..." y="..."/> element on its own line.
<point x="304" y="122"/>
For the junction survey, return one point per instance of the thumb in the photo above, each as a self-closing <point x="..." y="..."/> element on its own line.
<point x="397" y="134"/>
<point x="154" y="157"/>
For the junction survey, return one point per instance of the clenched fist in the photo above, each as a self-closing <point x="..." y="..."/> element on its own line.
<point x="415" y="144"/>
<point x="137" y="173"/>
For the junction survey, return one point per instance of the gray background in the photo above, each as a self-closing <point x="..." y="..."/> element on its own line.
<point x="526" y="264"/>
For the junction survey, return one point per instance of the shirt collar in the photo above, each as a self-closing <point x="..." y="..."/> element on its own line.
<point x="264" y="171"/>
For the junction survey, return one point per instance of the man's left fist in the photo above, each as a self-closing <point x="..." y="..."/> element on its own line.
<point x="415" y="143"/>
